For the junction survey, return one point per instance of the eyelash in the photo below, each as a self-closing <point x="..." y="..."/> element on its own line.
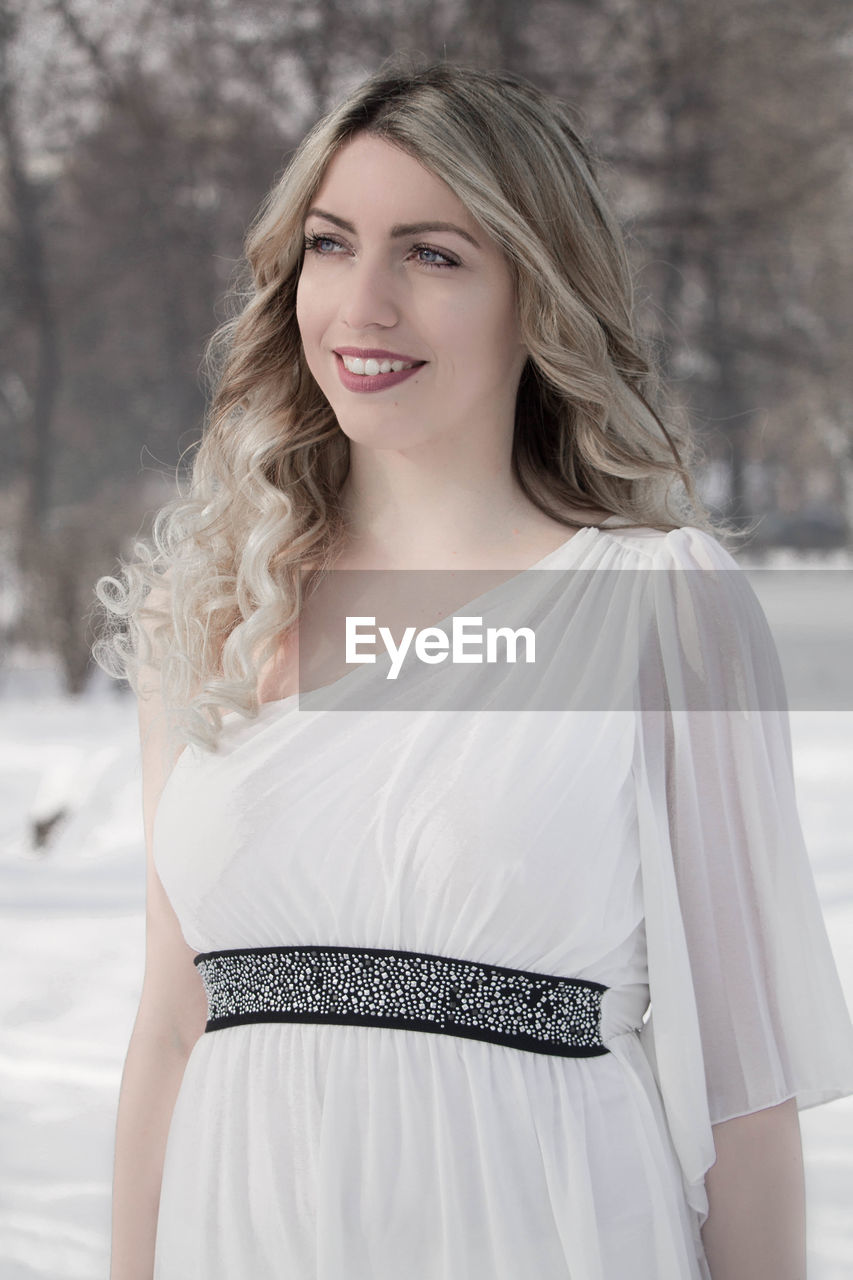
<point x="313" y="242"/>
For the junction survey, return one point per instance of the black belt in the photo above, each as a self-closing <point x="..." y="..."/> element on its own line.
<point x="407" y="990"/>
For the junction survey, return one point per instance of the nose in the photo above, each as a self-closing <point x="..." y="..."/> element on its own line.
<point x="369" y="296"/>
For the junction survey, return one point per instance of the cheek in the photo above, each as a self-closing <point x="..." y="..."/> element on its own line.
<point x="489" y="325"/>
<point x="494" y="343"/>
<point x="505" y="322"/>
<point x="302" y="307"/>
<point x="309" y="317"/>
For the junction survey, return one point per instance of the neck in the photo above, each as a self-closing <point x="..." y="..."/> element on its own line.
<point x="402" y="516"/>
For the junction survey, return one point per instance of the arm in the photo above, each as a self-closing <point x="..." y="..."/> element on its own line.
<point x="171" y="1016"/>
<point x="741" y="972"/>
<point x="755" y="1228"/>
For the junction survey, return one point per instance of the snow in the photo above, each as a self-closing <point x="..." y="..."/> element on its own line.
<point x="71" y="955"/>
<point x="72" y="950"/>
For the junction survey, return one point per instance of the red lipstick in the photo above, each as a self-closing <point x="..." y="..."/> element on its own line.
<point x="375" y="353"/>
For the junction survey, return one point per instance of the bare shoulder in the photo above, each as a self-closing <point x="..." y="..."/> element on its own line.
<point x="279" y="678"/>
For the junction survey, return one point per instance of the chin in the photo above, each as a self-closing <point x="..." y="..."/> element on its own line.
<point x="376" y="435"/>
<point x="382" y="429"/>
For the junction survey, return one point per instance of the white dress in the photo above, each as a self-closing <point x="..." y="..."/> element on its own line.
<point x="646" y="845"/>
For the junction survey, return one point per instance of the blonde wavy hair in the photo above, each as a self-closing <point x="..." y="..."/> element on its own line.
<point x="205" y="603"/>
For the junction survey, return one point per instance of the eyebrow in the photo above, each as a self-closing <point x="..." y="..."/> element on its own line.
<point x="400" y="229"/>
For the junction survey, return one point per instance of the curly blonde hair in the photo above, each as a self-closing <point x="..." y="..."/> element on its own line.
<point x="206" y="602"/>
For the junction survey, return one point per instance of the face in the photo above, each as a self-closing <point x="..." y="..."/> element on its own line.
<point x="405" y="307"/>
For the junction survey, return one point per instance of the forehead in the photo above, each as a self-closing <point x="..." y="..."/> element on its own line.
<point x="372" y="178"/>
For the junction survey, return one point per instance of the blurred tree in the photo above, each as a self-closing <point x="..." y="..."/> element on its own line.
<point x="28" y="401"/>
<point x="727" y="130"/>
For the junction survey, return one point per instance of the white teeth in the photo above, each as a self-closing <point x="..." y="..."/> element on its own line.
<point x="371" y="367"/>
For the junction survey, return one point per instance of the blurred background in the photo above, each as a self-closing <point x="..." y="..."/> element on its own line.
<point x="137" y="138"/>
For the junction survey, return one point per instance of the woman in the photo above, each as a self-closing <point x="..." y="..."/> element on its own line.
<point x="428" y="942"/>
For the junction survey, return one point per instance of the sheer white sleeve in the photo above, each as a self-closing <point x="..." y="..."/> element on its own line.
<point x="746" y="1003"/>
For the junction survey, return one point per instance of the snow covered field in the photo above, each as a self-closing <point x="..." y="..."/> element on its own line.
<point x="71" y="953"/>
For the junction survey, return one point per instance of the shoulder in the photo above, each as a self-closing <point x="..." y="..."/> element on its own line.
<point x="683" y="548"/>
<point x="707" y="625"/>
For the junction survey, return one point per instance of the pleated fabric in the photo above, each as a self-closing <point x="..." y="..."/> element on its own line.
<point x="644" y="840"/>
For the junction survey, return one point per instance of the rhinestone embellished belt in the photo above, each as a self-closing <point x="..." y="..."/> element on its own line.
<point x="408" y="990"/>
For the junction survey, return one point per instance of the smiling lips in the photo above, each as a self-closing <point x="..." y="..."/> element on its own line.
<point x="369" y="369"/>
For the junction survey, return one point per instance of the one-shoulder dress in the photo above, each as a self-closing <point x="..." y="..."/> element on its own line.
<point x="630" y="821"/>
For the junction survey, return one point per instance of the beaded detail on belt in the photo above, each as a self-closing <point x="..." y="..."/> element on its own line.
<point x="407" y="990"/>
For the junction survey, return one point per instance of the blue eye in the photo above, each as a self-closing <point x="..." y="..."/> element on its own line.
<point x="439" y="259"/>
<point x="328" y="246"/>
<point x="313" y="244"/>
